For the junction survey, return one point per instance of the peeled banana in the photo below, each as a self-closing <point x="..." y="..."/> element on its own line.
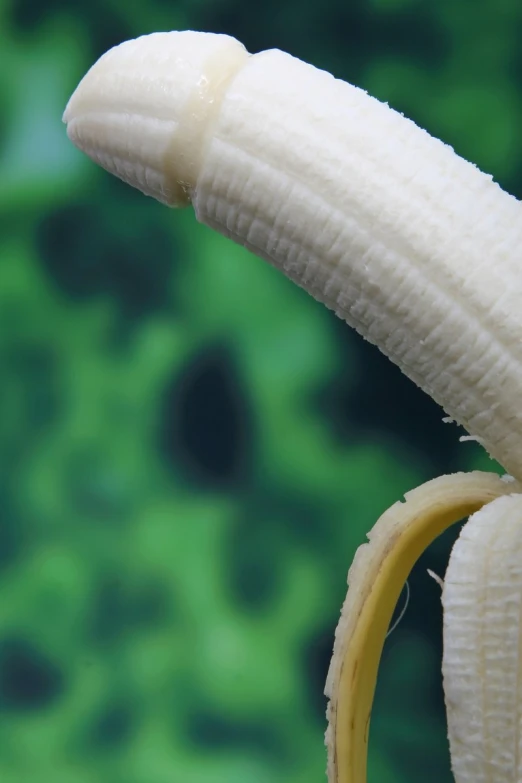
<point x="421" y="253"/>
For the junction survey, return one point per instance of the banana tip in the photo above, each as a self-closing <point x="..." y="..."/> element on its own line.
<point x="130" y="107"/>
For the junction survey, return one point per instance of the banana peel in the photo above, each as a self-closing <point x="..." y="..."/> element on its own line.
<point x="376" y="579"/>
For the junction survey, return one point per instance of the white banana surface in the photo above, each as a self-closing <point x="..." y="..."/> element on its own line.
<point x="421" y="253"/>
<point x="482" y="661"/>
<point x="410" y="244"/>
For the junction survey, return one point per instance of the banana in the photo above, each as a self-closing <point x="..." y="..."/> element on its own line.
<point x="482" y="660"/>
<point x="376" y="578"/>
<point x="416" y="249"/>
<point x="407" y="242"/>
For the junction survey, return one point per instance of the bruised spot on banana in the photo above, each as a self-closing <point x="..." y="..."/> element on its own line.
<point x="421" y="253"/>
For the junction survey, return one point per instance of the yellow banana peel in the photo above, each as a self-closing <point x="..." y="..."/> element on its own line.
<point x="376" y="579"/>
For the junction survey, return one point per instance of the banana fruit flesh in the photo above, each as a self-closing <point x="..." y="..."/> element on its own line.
<point x="407" y="242"/>
<point x="482" y="660"/>
<point x="416" y="249"/>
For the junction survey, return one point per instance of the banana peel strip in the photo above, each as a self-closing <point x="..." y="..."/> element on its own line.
<point x="376" y="578"/>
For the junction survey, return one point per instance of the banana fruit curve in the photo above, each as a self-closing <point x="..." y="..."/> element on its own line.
<point x="406" y="241"/>
<point x="420" y="252"/>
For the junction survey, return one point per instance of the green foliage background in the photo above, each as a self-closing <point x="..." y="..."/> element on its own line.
<point x="191" y="449"/>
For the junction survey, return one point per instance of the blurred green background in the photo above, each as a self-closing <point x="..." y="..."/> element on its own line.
<point x="186" y="471"/>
